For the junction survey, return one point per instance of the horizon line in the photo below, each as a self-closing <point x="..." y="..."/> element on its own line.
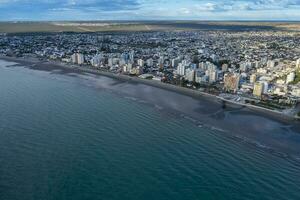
<point x="155" y="20"/>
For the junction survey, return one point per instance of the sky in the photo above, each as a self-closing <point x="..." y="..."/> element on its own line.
<point x="53" y="10"/>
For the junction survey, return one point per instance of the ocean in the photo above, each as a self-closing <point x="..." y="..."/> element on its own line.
<point x="81" y="136"/>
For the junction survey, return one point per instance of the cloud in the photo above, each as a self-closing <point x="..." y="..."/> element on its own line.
<point x="147" y="9"/>
<point x="71" y="4"/>
<point x="230" y="5"/>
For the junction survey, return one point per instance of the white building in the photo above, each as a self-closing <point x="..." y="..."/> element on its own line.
<point x="181" y="69"/>
<point x="290" y="77"/>
<point x="298" y="63"/>
<point x="190" y="74"/>
<point x="212" y="74"/>
<point x="80" y="58"/>
<point x="253" y="78"/>
<point x="141" y="62"/>
<point x="77" y="58"/>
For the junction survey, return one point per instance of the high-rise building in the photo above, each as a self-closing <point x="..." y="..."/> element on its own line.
<point x="175" y="62"/>
<point x="266" y="87"/>
<point x="80" y="59"/>
<point x="131" y="57"/>
<point x="77" y="58"/>
<point x="96" y="60"/>
<point x="74" y="58"/>
<point x="181" y="69"/>
<point x="253" y="78"/>
<point x="213" y="76"/>
<point x="211" y="66"/>
<point x="125" y="58"/>
<point x="202" y="66"/>
<point x="190" y="74"/>
<point x="231" y="82"/>
<point x="200" y="76"/>
<point x="141" y="62"/>
<point x="258" y="89"/>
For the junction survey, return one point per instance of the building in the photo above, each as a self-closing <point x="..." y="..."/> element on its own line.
<point x="181" y="69"/>
<point x="280" y="91"/>
<point x="141" y="62"/>
<point x="253" y="78"/>
<point x="201" y="79"/>
<point x="131" y="57"/>
<point x="224" y="67"/>
<point x="161" y="61"/>
<point x="96" y="60"/>
<point x="139" y="70"/>
<point x="80" y="59"/>
<point x="125" y="58"/>
<point x="298" y="63"/>
<point x="203" y="66"/>
<point x="77" y="58"/>
<point x="290" y="77"/>
<point x="110" y="62"/>
<point x="127" y="68"/>
<point x="74" y="58"/>
<point x="175" y="62"/>
<point x="200" y="76"/>
<point x="296" y="92"/>
<point x="258" y="89"/>
<point x="213" y="76"/>
<point x="266" y="87"/>
<point x="231" y="82"/>
<point x="245" y="66"/>
<point x="190" y="75"/>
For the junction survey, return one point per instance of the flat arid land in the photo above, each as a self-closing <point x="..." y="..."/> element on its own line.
<point x="115" y="26"/>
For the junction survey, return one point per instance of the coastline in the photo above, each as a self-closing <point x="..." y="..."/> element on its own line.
<point x="37" y="64"/>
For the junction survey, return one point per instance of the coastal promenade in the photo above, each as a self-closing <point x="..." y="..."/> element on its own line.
<point x="50" y="65"/>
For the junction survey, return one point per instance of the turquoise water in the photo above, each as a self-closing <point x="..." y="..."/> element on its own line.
<point x="60" y="139"/>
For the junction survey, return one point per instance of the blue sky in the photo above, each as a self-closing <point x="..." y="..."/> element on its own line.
<point x="149" y="9"/>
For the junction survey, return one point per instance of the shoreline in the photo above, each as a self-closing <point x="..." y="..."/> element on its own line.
<point x="52" y="65"/>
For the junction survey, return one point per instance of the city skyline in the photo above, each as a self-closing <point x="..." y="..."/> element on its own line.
<point x="44" y="10"/>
